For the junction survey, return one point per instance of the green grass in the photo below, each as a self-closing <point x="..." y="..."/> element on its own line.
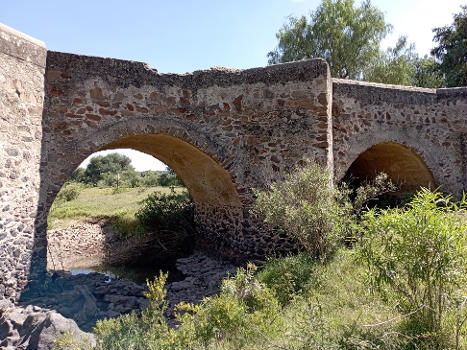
<point x="328" y="308"/>
<point x="332" y="308"/>
<point x="97" y="203"/>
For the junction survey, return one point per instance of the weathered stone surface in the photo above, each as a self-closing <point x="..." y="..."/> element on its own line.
<point x="223" y="131"/>
<point x="32" y="328"/>
<point x="22" y="69"/>
<point x="427" y="125"/>
<point x="86" y="298"/>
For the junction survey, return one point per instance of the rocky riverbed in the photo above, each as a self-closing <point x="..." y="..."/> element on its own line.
<point x="85" y="298"/>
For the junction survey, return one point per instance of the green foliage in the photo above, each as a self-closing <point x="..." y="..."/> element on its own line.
<point x="244" y="311"/>
<point x="148" y="332"/>
<point x="451" y="52"/>
<point x="348" y="37"/>
<point x="395" y="66"/>
<point x="115" y="170"/>
<point x="95" y="203"/>
<point x="150" y="178"/>
<point x="401" y="65"/>
<point x="69" y="341"/>
<point x="332" y="309"/>
<point x="305" y="207"/>
<point x="79" y="175"/>
<point x="426" y="73"/>
<point x="128" y="178"/>
<point x="417" y="255"/>
<point x="69" y="192"/>
<point x="316" y="214"/>
<point x="166" y="211"/>
<point x="111" y="164"/>
<point x="355" y="201"/>
<point x="169" y="179"/>
<point x="127" y="225"/>
<point x="287" y="276"/>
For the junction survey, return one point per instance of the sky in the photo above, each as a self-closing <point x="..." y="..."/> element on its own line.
<point x="182" y="36"/>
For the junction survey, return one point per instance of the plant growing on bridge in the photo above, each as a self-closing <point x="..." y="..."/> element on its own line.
<point x="418" y="255"/>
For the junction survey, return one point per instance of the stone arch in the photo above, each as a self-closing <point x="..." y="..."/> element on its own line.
<point x="423" y="148"/>
<point x="195" y="157"/>
<point x="403" y="165"/>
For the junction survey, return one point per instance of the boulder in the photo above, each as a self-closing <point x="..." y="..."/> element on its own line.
<point x="35" y="328"/>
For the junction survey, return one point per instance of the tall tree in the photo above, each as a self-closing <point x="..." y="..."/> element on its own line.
<point x="451" y="51"/>
<point x="113" y="163"/>
<point x="426" y="73"/>
<point x="401" y="65"/>
<point x="347" y="37"/>
<point x="394" y="66"/>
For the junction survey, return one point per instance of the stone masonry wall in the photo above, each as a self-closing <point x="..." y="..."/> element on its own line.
<point x="431" y="122"/>
<point x="22" y="66"/>
<point x="223" y="131"/>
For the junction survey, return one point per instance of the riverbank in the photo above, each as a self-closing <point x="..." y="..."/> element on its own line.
<point x="86" y="298"/>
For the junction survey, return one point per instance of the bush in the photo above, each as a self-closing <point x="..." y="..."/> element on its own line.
<point x="244" y="310"/>
<point x="69" y="192"/>
<point x="172" y="211"/>
<point x="127" y="225"/>
<point x="418" y="256"/>
<point x="150" y="331"/>
<point x="305" y="206"/>
<point x="287" y="276"/>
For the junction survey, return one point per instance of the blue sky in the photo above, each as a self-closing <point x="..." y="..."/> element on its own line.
<point x="181" y="36"/>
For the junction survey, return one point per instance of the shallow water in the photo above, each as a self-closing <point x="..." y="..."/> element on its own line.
<point x="135" y="273"/>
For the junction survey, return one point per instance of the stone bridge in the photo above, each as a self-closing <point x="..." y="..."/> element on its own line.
<point x="223" y="131"/>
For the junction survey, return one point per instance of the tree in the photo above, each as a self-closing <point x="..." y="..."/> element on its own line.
<point x="395" y="66"/>
<point x="426" y="73"/>
<point x="150" y="178"/>
<point x="113" y="164"/>
<point x="451" y="50"/>
<point x="347" y="37"/>
<point x="78" y="175"/>
<point x="401" y="65"/>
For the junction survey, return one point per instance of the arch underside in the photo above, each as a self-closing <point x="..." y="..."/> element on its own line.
<point x="403" y="166"/>
<point x="206" y="180"/>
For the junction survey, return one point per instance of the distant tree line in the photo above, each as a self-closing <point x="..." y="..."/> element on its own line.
<point x="349" y="38"/>
<point x="115" y="170"/>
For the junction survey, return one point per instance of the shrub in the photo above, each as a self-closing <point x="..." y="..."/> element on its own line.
<point x="418" y="256"/>
<point x="244" y="311"/>
<point x="287" y="276"/>
<point x="126" y="224"/>
<point x="69" y="192"/>
<point x="150" y="331"/>
<point x="318" y="215"/>
<point x="172" y="211"/>
<point x="305" y="207"/>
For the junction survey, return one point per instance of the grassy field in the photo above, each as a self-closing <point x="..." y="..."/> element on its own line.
<point x="96" y="203"/>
